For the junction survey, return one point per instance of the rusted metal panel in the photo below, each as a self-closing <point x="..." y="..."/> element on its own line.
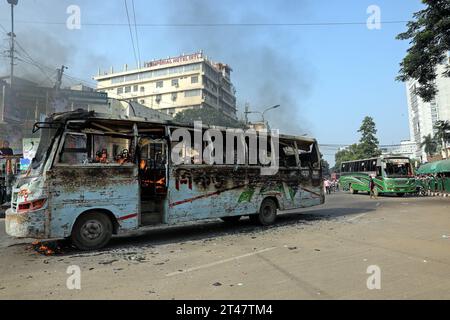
<point x="74" y="190"/>
<point x="29" y="225"/>
<point x="201" y="192"/>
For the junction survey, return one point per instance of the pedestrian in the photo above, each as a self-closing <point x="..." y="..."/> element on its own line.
<point x="372" y="188"/>
<point x="5" y="150"/>
<point x="327" y="186"/>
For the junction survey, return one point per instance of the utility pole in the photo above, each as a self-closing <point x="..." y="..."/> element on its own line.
<point x="12" y="36"/>
<point x="246" y="112"/>
<point x="59" y="78"/>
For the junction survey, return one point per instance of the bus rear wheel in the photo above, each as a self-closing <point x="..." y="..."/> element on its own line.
<point x="91" y="231"/>
<point x="267" y="213"/>
<point x="231" y="220"/>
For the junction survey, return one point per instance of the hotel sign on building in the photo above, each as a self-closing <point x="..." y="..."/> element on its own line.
<point x="183" y="58"/>
<point x="174" y="84"/>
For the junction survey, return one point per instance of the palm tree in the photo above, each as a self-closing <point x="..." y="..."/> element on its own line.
<point x="429" y="144"/>
<point x="443" y="134"/>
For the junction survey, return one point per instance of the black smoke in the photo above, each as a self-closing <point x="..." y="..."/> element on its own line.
<point x="266" y="71"/>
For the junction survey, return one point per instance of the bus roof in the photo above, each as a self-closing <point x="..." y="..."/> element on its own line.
<point x="376" y="158"/>
<point x="81" y="114"/>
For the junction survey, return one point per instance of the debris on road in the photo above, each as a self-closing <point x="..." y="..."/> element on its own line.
<point x="49" y="248"/>
<point x="108" y="261"/>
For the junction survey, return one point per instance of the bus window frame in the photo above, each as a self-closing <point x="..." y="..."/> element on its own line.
<point x="57" y="159"/>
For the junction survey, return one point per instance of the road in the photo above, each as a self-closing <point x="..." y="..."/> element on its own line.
<point x="321" y="253"/>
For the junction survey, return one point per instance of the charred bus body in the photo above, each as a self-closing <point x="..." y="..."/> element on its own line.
<point x="95" y="175"/>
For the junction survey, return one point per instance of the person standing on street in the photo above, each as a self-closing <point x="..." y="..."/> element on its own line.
<point x="372" y="188"/>
<point x="327" y="186"/>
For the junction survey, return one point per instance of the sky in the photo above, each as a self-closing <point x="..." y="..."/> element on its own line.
<point x="326" y="76"/>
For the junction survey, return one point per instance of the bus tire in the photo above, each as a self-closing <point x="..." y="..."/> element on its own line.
<point x="231" y="219"/>
<point x="267" y="213"/>
<point x="352" y="191"/>
<point x="91" y="231"/>
<point x="400" y="194"/>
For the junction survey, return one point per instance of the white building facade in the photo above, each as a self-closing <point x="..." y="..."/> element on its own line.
<point x="423" y="115"/>
<point x="174" y="84"/>
<point x="406" y="148"/>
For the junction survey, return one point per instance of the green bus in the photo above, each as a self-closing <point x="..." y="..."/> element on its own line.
<point x="392" y="175"/>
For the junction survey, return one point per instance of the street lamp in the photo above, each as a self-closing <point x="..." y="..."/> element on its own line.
<point x="263" y="112"/>
<point x="268" y="109"/>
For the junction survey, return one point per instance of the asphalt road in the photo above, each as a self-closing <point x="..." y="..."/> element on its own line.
<point x="321" y="253"/>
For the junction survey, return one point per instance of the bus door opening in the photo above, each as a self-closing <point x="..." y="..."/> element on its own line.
<point x="153" y="179"/>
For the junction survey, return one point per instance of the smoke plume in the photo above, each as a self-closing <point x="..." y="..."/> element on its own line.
<point x="265" y="71"/>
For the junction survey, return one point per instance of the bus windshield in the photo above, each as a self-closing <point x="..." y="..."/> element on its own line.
<point x="45" y="144"/>
<point x="396" y="168"/>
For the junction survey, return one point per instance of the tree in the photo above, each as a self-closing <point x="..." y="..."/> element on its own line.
<point x="429" y="35"/>
<point x="443" y="134"/>
<point x="352" y="152"/>
<point x="368" y="144"/>
<point x="325" y="167"/>
<point x="366" y="148"/>
<point x="208" y="116"/>
<point x="429" y="144"/>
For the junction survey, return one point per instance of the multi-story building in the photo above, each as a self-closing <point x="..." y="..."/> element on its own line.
<point x="406" y="148"/>
<point x="423" y="115"/>
<point x="174" y="84"/>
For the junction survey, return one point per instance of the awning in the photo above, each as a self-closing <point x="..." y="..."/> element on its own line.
<point x="435" y="167"/>
<point x="443" y="166"/>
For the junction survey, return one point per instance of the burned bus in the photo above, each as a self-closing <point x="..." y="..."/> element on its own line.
<point x="97" y="175"/>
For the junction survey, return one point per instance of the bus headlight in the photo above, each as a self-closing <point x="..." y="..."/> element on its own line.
<point x="31" y="206"/>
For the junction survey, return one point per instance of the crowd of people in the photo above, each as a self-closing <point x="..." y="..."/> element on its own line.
<point x="432" y="182"/>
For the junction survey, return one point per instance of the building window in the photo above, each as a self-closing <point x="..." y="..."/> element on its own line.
<point x="174" y="96"/>
<point x="192" y="93"/>
<point x="158" y="98"/>
<point x="135" y="88"/>
<point x="159" y="84"/>
<point x="174" y="82"/>
<point x="119" y="90"/>
<point x="142" y="89"/>
<point x="194" y="79"/>
<point x="142" y="101"/>
<point x="170" y="111"/>
<point x="127" y="89"/>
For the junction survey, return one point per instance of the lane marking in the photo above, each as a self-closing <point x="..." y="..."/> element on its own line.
<point x="362" y="214"/>
<point x="357" y="217"/>
<point x="212" y="264"/>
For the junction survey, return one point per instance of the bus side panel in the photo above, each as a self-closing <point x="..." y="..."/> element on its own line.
<point x="212" y="192"/>
<point x="358" y="181"/>
<point x="74" y="190"/>
<point x="205" y="192"/>
<point x="302" y="188"/>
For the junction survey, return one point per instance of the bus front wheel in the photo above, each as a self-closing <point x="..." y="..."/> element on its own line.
<point x="92" y="231"/>
<point x="267" y="213"/>
<point x="352" y="191"/>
